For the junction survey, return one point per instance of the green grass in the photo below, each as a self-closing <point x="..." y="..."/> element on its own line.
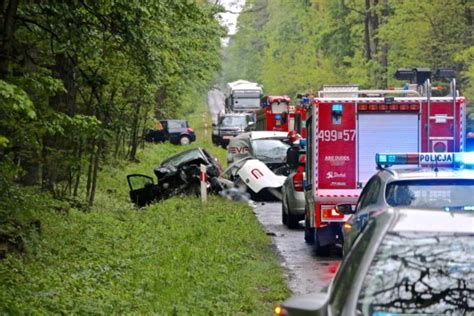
<point x="176" y="257"/>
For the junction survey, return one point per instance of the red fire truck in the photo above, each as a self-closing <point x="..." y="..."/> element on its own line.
<point x="278" y="115"/>
<point x="298" y="116"/>
<point x="274" y="114"/>
<point x="347" y="127"/>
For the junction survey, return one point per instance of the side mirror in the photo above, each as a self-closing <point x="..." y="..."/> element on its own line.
<point x="214" y="125"/>
<point x="345" y="209"/>
<point x="251" y="123"/>
<point x="310" y="304"/>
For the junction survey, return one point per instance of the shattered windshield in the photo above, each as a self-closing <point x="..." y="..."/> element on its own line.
<point x="270" y="150"/>
<point x="431" y="193"/>
<point x="420" y="273"/>
<point x="183" y="157"/>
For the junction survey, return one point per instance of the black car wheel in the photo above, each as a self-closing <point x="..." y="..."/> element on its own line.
<point x="284" y="213"/>
<point x="293" y="220"/>
<point x="185" y="140"/>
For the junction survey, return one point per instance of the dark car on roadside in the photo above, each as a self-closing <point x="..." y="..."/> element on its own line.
<point x="176" y="132"/>
<point x="406" y="261"/>
<point x="179" y="174"/>
<point x="229" y="126"/>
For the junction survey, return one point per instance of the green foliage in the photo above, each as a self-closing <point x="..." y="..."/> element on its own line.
<point x="174" y="257"/>
<point x="82" y="81"/>
<point x="16" y="107"/>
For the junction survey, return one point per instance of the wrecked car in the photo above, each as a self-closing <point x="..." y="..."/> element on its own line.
<point x="180" y="175"/>
<point x="176" y="175"/>
<point x="254" y="177"/>
<point x="267" y="146"/>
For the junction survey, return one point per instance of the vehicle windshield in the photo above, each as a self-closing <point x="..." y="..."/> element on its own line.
<point x="431" y="193"/>
<point x="233" y="121"/>
<point x="420" y="273"/>
<point x="247" y="103"/>
<point x="183" y="157"/>
<point x="270" y="150"/>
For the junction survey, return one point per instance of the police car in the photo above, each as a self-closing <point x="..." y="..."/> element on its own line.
<point x="435" y="181"/>
<point x="405" y="262"/>
<point x="412" y="244"/>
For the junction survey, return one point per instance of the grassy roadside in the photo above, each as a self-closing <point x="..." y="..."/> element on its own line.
<point x="175" y="257"/>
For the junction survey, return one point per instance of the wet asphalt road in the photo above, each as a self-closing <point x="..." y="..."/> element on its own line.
<point x="306" y="273"/>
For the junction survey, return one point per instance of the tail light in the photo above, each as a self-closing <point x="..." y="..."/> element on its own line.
<point x="298" y="179"/>
<point x="329" y="213"/>
<point x="190" y="130"/>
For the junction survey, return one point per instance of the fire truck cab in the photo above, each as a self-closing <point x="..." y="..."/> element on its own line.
<point x="299" y="115"/>
<point x="347" y="127"/>
<point x="273" y="115"/>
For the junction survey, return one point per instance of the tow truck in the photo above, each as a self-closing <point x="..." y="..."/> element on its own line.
<point x="348" y="126"/>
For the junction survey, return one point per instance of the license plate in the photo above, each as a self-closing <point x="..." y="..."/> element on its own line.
<point x="228" y="137"/>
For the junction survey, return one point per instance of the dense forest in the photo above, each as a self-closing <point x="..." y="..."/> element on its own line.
<point x="81" y="80"/>
<point x="297" y="46"/>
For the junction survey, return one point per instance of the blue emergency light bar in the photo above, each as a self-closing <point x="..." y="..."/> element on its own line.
<point x="453" y="159"/>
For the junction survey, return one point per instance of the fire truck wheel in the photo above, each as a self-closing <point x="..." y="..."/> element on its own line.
<point x="319" y="250"/>
<point x="308" y="232"/>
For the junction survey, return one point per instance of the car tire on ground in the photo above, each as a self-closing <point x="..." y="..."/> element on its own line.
<point x="308" y="232"/>
<point x="318" y="249"/>
<point x="284" y="213"/>
<point x="293" y="220"/>
<point x="184" y="140"/>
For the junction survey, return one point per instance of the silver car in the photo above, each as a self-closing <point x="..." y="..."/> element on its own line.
<point x="420" y="188"/>
<point x="293" y="201"/>
<point x="405" y="262"/>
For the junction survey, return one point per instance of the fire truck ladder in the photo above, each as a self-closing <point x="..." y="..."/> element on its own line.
<point x="454" y="94"/>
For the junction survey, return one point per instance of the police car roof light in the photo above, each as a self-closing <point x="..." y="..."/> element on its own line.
<point x="396" y="159"/>
<point x="464" y="158"/>
<point x="431" y="158"/>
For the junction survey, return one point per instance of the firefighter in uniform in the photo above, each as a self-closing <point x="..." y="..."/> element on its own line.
<point x="293" y="152"/>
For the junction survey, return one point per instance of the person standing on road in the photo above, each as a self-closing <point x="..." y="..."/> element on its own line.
<point x="292" y="154"/>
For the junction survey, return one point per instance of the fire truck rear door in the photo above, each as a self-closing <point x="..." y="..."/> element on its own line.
<point x="384" y="132"/>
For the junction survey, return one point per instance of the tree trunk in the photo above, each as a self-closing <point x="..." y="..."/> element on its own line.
<point x="95" y="172"/>
<point x="385" y="48"/>
<point x="79" y="169"/>
<point x="7" y="31"/>
<point x="134" y="139"/>
<point x="368" y="49"/>
<point x="89" y="170"/>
